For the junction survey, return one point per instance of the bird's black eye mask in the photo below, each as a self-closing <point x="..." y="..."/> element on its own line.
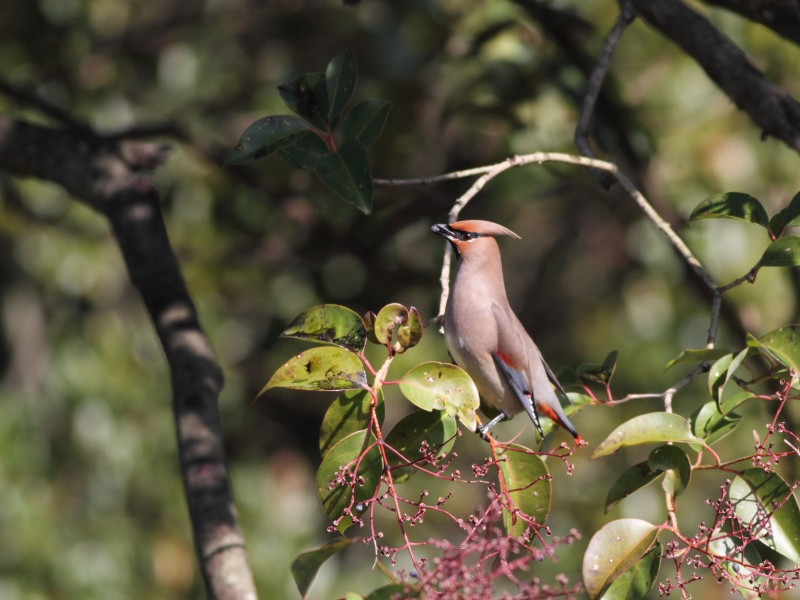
<point x="456" y="234"/>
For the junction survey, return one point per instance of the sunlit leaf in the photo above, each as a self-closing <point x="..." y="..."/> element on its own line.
<point x="732" y="205"/>
<point x="349" y="413"/>
<point x="307" y="564"/>
<point x="327" y="368"/>
<point x="330" y="324"/>
<point x="632" y="479"/>
<point x="409" y="333"/>
<point x="741" y="566"/>
<point x="305" y="152"/>
<point x="442" y="386"/>
<point x="636" y="582"/>
<point x="786" y="217"/>
<point x="266" y="136"/>
<point x="361" y="459"/>
<point x="783" y="344"/>
<point x="614" y="549"/>
<point x="649" y="428"/>
<point x="366" y="121"/>
<point x="434" y="429"/>
<point x="307" y="96"/>
<point x="695" y="355"/>
<point x="340" y="80"/>
<point x="347" y="174"/>
<point x="767" y="505"/>
<point x="599" y="372"/>
<point x="783" y="252"/>
<point x="711" y="424"/>
<point x="674" y="463"/>
<point x="529" y="486"/>
<point x="388" y="319"/>
<point x="733" y="401"/>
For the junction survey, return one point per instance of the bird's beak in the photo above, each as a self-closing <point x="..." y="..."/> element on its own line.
<point x="443" y="230"/>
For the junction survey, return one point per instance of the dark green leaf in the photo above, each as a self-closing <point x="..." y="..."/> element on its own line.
<point x="786" y="217"/>
<point x="783" y="252"/>
<point x="394" y="591"/>
<point x="355" y="452"/>
<point x="648" y="429"/>
<point x="732" y="205"/>
<point x="328" y="368"/>
<point x="340" y="80"/>
<point x="434" y="429"/>
<point x="767" y="505"/>
<point x="307" y="564"/>
<point x="347" y="173"/>
<point x="614" y="549"/>
<point x="718" y="377"/>
<point x="674" y="463"/>
<point x="632" y="479"/>
<point x="442" y="386"/>
<point x="366" y="121"/>
<point x="349" y="413"/>
<point x="695" y="355"/>
<point x="728" y="548"/>
<point x="388" y="319"/>
<point x="636" y="582"/>
<point x="529" y="486"/>
<point x="330" y="324"/>
<point x="783" y="344"/>
<point x="305" y="152"/>
<point x="266" y="136"/>
<point x="307" y="96"/>
<point x="409" y="333"/>
<point x="599" y="373"/>
<point x="711" y="424"/>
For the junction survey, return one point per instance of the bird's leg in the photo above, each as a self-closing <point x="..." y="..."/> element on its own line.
<point x="483" y="430"/>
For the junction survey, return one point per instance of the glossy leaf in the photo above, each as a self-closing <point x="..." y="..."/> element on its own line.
<point x="347" y="174"/>
<point x="434" y="429"/>
<point x="366" y="121"/>
<point x="614" y="549"/>
<point x="388" y="319"/>
<point x="599" y="373"/>
<point x="329" y="324"/>
<point x="783" y="252"/>
<point x="758" y="496"/>
<point x="442" y="386"/>
<point x="636" y="582"/>
<point x="307" y="96"/>
<point x="732" y="205"/>
<point x="328" y="368"/>
<point x="340" y="82"/>
<point x="529" y="486"/>
<point x="718" y="377"/>
<point x="266" y="136"/>
<point x="632" y="479"/>
<point x="711" y="424"/>
<point x="673" y="462"/>
<point x="734" y="401"/>
<point x="360" y="462"/>
<point x="727" y="547"/>
<point x="649" y="428"/>
<point x="349" y="413"/>
<point x="783" y="344"/>
<point x="305" y="152"/>
<point x="786" y="217"/>
<point x="695" y="355"/>
<point x="307" y="564"/>
<point x="409" y="333"/>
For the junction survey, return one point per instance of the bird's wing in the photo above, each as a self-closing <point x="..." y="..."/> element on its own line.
<point x="552" y="377"/>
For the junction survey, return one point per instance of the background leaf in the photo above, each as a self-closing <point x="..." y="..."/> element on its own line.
<point x="407" y="437"/>
<point x="329" y="324"/>
<point x="341" y="77"/>
<point x="308" y="563"/>
<point x="366" y="121"/>
<point x="266" y="136"/>
<point x="786" y="217"/>
<point x="327" y="368"/>
<point x="783" y="252"/>
<point x="305" y="152"/>
<point x="526" y="478"/>
<point x="647" y="429"/>
<point x="442" y="386"/>
<point x="347" y="174"/>
<point x="307" y="96"/>
<point x="732" y="205"/>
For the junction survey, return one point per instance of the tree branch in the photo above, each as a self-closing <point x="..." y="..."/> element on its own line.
<point x="782" y="16"/>
<point x="96" y="172"/>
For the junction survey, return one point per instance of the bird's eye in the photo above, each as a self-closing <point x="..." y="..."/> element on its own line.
<point x="467" y="236"/>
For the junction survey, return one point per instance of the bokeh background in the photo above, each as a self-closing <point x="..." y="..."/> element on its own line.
<point x="91" y="504"/>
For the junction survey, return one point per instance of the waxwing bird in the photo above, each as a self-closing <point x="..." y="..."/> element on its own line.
<point x="485" y="337"/>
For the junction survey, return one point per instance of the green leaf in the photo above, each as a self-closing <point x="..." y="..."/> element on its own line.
<point x="330" y="324"/>
<point x="349" y="413"/>
<point x="728" y="548"/>
<point x="410" y="333"/>
<point x="388" y="319"/>
<point x="307" y="96"/>
<point x="718" y="377"/>
<point x="614" y="549"/>
<point x="442" y="386"/>
<point x="599" y="373"/>
<point x="767" y="505"/>
<point x="305" y="152"/>
<point x="674" y="463"/>
<point x="366" y="121"/>
<point x="435" y="429"/>
<point x="709" y="423"/>
<point x="783" y="252"/>
<point x="733" y="401"/>
<point x="649" y="428"/>
<point x="632" y="479"/>
<point x="786" y="217"/>
<point x="394" y="591"/>
<point x="340" y="81"/>
<point x="266" y="136"/>
<point x="732" y="205"/>
<point x="328" y="368"/>
<point x="347" y="174"/>
<point x="636" y="582"/>
<point x="782" y="344"/>
<point x="307" y="564"/>
<point x="694" y="355"/>
<point x="351" y="453"/>
<point x="529" y="486"/>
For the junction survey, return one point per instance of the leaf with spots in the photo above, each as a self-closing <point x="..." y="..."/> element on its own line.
<point x="529" y="486"/>
<point x="329" y="324"/>
<point x="266" y="136"/>
<point x="783" y="252"/>
<point x="636" y="582"/>
<point x="433" y="430"/>
<point x="327" y="368"/>
<point x="442" y="386"/>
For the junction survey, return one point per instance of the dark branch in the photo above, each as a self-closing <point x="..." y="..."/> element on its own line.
<point x="97" y="172"/>
<point x="782" y="16"/>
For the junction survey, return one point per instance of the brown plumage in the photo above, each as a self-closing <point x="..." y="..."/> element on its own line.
<point x="486" y="338"/>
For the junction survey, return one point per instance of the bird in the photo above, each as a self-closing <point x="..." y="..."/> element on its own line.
<point x="486" y="338"/>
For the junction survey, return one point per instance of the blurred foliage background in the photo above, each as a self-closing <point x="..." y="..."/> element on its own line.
<point x="91" y="504"/>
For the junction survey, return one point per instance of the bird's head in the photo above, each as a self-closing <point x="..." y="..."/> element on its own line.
<point x="471" y="237"/>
